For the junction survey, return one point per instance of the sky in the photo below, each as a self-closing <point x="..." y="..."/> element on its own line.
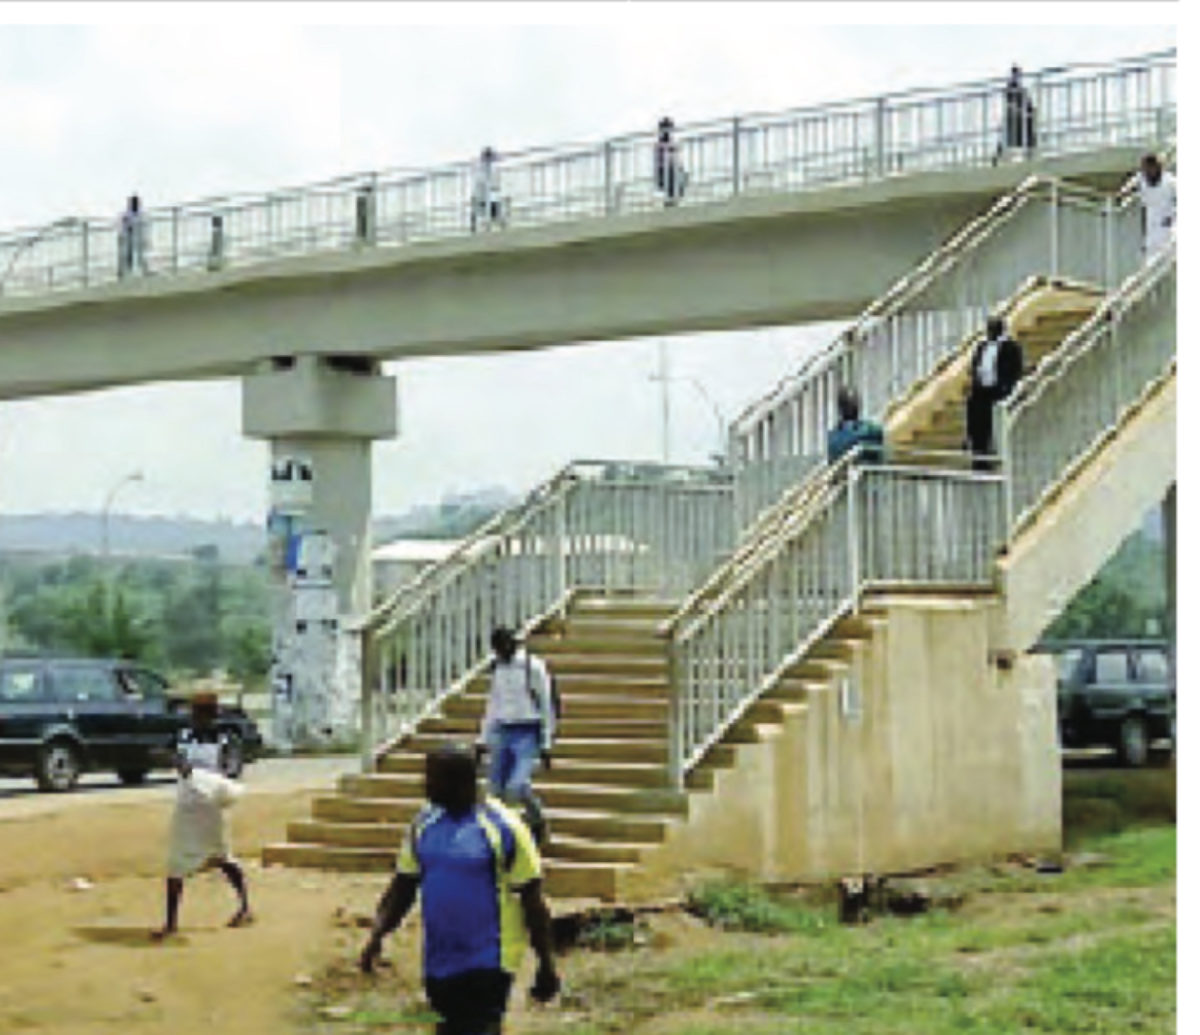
<point x="244" y="98"/>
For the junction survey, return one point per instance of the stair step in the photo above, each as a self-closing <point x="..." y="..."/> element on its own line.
<point x="401" y="790"/>
<point x="602" y="826"/>
<point x="622" y="607"/>
<point x="563" y="879"/>
<point x="577" y="706"/>
<point x="592" y="684"/>
<point x="582" y="849"/>
<point x="647" y="666"/>
<point x="632" y="749"/>
<point x="553" y="647"/>
<point x="459" y="727"/>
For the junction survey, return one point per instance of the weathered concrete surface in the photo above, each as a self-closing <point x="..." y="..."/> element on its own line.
<point x="757" y="260"/>
<point x="953" y="758"/>
<point x="1078" y="530"/>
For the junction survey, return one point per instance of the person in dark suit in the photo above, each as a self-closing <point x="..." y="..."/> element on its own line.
<point x="996" y="366"/>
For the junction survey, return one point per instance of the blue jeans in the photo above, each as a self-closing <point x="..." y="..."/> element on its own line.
<point x="515" y="748"/>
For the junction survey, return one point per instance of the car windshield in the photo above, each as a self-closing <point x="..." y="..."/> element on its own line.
<point x="19" y="684"/>
<point x="1066" y="662"/>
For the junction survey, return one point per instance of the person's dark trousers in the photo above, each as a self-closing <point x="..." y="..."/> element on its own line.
<point x="980" y="402"/>
<point x="470" y="1003"/>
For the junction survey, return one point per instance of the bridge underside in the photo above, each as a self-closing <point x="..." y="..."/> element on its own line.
<point x="756" y="261"/>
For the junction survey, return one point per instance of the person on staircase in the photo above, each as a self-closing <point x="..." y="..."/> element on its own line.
<point x="996" y="366"/>
<point x="480" y="879"/>
<point x="1156" y="187"/>
<point x="518" y="726"/>
<point x="850" y="432"/>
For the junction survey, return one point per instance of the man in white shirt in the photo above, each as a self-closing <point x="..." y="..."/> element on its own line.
<point x="518" y="725"/>
<point x="1157" y="189"/>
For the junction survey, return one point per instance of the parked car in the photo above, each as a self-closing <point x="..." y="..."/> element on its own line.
<point x="61" y="717"/>
<point x="1117" y="693"/>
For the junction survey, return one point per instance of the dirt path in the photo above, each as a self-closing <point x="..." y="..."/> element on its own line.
<point x="79" y="962"/>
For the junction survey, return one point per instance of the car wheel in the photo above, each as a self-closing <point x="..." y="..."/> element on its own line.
<point x="58" y="766"/>
<point x="233" y="758"/>
<point x="131" y="777"/>
<point x="1133" y="743"/>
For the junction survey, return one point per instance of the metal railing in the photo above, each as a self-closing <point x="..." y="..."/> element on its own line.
<point x="1043" y="226"/>
<point x="1079" y="395"/>
<point x="595" y="525"/>
<point x="865" y="526"/>
<point x="1128" y="102"/>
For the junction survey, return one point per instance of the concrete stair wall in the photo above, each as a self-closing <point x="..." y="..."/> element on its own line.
<point x="607" y="795"/>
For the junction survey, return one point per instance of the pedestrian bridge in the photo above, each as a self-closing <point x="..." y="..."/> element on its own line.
<point x="787" y="217"/>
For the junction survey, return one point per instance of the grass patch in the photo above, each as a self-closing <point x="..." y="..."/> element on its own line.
<point x="735" y="906"/>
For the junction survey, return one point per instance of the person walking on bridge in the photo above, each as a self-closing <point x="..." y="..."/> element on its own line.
<point x="670" y="177"/>
<point x="1019" y="132"/>
<point x="518" y="726"/>
<point x="1156" y="187"/>
<point x="487" y="208"/>
<point x="131" y="239"/>
<point x="996" y="366"/>
<point x="480" y="878"/>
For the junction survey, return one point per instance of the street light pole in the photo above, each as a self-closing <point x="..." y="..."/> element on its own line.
<point x="135" y="476"/>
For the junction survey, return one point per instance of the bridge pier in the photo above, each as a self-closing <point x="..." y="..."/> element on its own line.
<point x="320" y="415"/>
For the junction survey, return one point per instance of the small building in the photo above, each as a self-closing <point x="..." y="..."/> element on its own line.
<point x="397" y="563"/>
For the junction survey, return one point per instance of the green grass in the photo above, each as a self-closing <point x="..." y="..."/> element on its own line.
<point x="1091" y="950"/>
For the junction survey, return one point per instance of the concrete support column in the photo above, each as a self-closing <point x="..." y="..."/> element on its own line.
<point x="320" y="415"/>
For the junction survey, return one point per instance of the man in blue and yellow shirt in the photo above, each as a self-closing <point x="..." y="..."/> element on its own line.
<point x="479" y="874"/>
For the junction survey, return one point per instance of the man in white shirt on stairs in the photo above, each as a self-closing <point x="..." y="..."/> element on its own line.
<point x="518" y="726"/>
<point x="1156" y="186"/>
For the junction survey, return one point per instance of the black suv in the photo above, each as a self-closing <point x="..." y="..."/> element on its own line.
<point x="60" y="717"/>
<point x="1117" y="693"/>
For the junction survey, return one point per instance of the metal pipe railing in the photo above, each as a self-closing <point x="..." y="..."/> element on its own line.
<point x="599" y="525"/>
<point x="1081" y="392"/>
<point x="867" y="526"/>
<point x="1128" y="102"/>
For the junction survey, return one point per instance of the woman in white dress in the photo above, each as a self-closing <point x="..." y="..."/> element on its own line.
<point x="200" y="823"/>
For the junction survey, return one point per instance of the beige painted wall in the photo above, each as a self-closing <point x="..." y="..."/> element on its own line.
<point x="952" y="759"/>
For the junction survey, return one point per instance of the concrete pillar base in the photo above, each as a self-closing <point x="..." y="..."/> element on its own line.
<point x="320" y="415"/>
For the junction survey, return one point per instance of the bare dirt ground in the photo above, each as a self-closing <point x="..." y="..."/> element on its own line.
<point x="81" y="888"/>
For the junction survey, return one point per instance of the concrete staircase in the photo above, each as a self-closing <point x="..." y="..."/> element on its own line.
<point x="608" y="796"/>
<point x="935" y="418"/>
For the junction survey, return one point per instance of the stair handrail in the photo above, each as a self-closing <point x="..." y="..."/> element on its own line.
<point x="778" y="513"/>
<point x="743" y="641"/>
<point x="419" y="586"/>
<point x="1063" y="442"/>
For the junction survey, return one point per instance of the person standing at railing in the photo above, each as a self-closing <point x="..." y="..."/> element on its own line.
<point x="131" y="239"/>
<point x="850" y="432"/>
<point x="996" y="366"/>
<point x="518" y="725"/>
<point x="1019" y="133"/>
<point x="487" y="207"/>
<point x="1156" y="187"/>
<point x="670" y="177"/>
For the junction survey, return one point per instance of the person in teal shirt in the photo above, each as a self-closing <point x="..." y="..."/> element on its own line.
<point x="480" y="878"/>
<point x="850" y="432"/>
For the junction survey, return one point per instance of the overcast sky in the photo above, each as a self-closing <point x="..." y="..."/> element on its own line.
<point x="89" y="113"/>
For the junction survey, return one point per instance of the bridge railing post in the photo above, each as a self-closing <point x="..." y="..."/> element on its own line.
<point x="880" y="136"/>
<point x="736" y="158"/>
<point x="83" y="253"/>
<point x="609" y="199"/>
